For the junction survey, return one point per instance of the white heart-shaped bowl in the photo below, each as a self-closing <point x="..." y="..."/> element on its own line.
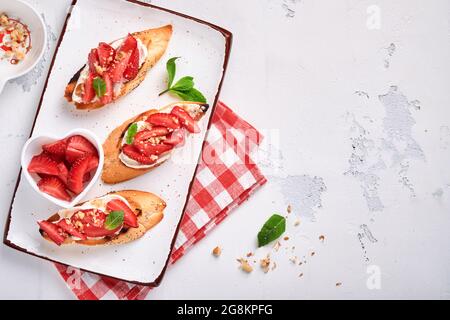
<point x="29" y="16"/>
<point x="34" y="147"/>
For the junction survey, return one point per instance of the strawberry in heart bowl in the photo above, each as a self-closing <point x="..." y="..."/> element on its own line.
<point x="63" y="169"/>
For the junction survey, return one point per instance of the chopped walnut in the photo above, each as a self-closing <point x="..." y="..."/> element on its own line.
<point x="245" y="266"/>
<point x="80" y="215"/>
<point x="15" y="42"/>
<point x="217" y="251"/>
<point x="265" y="263"/>
<point x="100" y="70"/>
<point x="20" y="55"/>
<point x="274" y="265"/>
<point x="293" y="259"/>
<point x="289" y="209"/>
<point x="277" y="246"/>
<point x="79" y="225"/>
<point x="4" y="21"/>
<point x="17" y="35"/>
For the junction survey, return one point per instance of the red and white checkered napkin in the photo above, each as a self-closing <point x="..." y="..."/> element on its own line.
<point x="226" y="177"/>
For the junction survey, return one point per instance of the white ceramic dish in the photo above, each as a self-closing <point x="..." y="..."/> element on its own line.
<point x="204" y="50"/>
<point x="27" y="15"/>
<point x="34" y="147"/>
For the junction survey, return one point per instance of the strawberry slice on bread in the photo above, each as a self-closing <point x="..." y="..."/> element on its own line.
<point x="122" y="64"/>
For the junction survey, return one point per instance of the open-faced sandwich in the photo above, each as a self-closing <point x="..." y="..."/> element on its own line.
<point x="115" y="69"/>
<point x="116" y="218"/>
<point x="147" y="140"/>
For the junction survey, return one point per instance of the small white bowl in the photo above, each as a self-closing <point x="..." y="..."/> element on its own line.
<point x="27" y="15"/>
<point x="33" y="147"/>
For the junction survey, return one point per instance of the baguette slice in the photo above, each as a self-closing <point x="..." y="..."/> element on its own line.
<point x="114" y="171"/>
<point x="156" y="41"/>
<point x="147" y="206"/>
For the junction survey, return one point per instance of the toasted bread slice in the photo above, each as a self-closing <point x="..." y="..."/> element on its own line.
<point x="156" y="41"/>
<point x="148" y="208"/>
<point x="114" y="171"/>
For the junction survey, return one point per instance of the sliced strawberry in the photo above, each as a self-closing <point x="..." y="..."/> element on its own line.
<point x="89" y="92"/>
<point x="149" y="149"/>
<point x="6" y="48"/>
<point x="93" y="221"/>
<point x="53" y="232"/>
<point x="73" y="154"/>
<point x="128" y="45"/>
<point x="106" y="54"/>
<point x="63" y="172"/>
<point x="76" y="174"/>
<point x="86" y="177"/>
<point x="133" y="66"/>
<point x="118" y="66"/>
<point x="77" y="147"/>
<point x="93" y="61"/>
<point x="70" y="229"/>
<point x="164" y="119"/>
<point x="57" y="148"/>
<point x="41" y="175"/>
<point x="154" y="132"/>
<point x="53" y="156"/>
<point x="122" y="57"/>
<point x="175" y="138"/>
<point x="93" y="163"/>
<point x="43" y="164"/>
<point x="129" y="218"/>
<point x="134" y="154"/>
<point x="109" y="94"/>
<point x="1" y="36"/>
<point x="186" y="120"/>
<point x="54" y="187"/>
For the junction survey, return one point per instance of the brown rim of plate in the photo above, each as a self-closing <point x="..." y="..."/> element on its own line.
<point x="228" y="41"/>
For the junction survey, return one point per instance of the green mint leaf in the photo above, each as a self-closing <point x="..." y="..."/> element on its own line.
<point x="271" y="230"/>
<point x="191" y="95"/>
<point x="171" y="70"/>
<point x="184" y="84"/>
<point x="99" y="86"/>
<point x="131" y="132"/>
<point x="114" y="220"/>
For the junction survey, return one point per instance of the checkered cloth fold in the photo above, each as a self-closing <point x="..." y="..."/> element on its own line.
<point x="226" y="176"/>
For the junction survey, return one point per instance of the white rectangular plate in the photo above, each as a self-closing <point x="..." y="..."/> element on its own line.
<point x="204" y="50"/>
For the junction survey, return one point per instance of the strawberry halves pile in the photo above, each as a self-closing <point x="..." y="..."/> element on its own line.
<point x="166" y="131"/>
<point x="111" y="66"/>
<point x="64" y="166"/>
<point x="89" y="223"/>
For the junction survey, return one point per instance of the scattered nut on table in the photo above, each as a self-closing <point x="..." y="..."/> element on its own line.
<point x="245" y="266"/>
<point x="265" y="263"/>
<point x="217" y="251"/>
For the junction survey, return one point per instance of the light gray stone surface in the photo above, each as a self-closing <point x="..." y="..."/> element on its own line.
<point x="353" y="99"/>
